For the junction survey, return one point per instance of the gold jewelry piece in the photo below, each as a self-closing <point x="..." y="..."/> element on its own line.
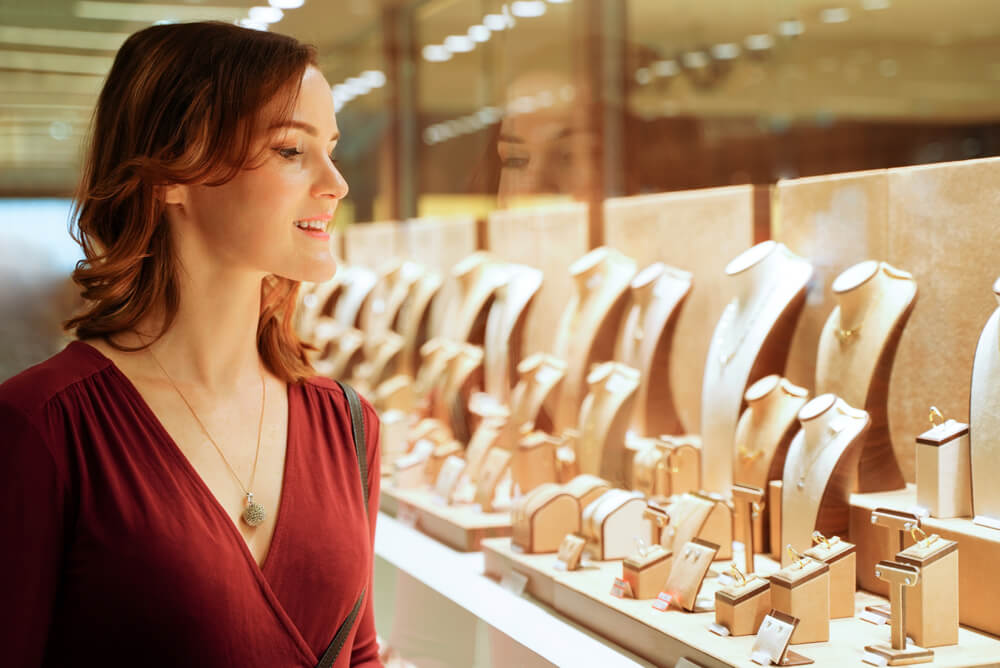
<point x="735" y="570"/>
<point x="845" y="335"/>
<point x="729" y="315"/>
<point x="253" y="514"/>
<point x="800" y="559"/>
<point x="935" y="417"/>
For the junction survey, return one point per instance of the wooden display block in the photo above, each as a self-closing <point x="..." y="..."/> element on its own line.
<point x="542" y="518"/>
<point x="586" y="488"/>
<point x="802" y="590"/>
<point x="612" y="522"/>
<point x="534" y="461"/>
<point x="461" y="527"/>
<point x="741" y="607"/>
<point x="718" y="527"/>
<point x="664" y="638"/>
<point x="647" y="572"/>
<point x="932" y="605"/>
<point x="842" y="559"/>
<point x="978" y="554"/>
<point x="944" y="471"/>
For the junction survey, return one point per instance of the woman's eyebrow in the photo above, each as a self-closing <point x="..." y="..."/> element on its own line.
<point x="306" y="127"/>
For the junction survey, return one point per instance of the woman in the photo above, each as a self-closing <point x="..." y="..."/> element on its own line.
<point x="181" y="490"/>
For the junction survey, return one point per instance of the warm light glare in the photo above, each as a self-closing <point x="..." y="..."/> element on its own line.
<point x="665" y="68"/>
<point x="791" y="28"/>
<point x="527" y="9"/>
<point x="479" y="33"/>
<point x="835" y="15"/>
<point x="253" y="25"/>
<point x="695" y="59"/>
<point x="265" y="14"/>
<point x="435" y="53"/>
<point x="873" y="5"/>
<point x="495" y="22"/>
<point x="760" y="42"/>
<point x="459" y="44"/>
<point x="373" y="78"/>
<point x="726" y="51"/>
<point x="286" y="4"/>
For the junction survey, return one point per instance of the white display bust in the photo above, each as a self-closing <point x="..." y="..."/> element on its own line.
<point x="984" y="427"/>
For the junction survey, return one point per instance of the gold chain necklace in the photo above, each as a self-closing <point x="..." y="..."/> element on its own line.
<point x="835" y="430"/>
<point x="253" y="514"/>
<point x="729" y="316"/>
<point x="845" y="335"/>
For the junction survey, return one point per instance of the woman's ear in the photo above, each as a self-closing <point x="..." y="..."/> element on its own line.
<point x="173" y="194"/>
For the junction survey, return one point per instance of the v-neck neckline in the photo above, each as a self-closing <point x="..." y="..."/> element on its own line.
<point x="175" y="451"/>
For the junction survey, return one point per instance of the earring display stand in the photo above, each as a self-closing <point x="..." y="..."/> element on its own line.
<point x="749" y="342"/>
<point x="984" y="422"/>
<point x="856" y="351"/>
<point x="657" y="294"/>
<point x="770" y="647"/>
<point x="358" y="285"/>
<point x="898" y="653"/>
<point x="688" y="515"/>
<point x="820" y="471"/>
<point x="589" y="323"/>
<point x="604" y="418"/>
<point x="414" y="319"/>
<point x="505" y="328"/>
<point x="691" y="564"/>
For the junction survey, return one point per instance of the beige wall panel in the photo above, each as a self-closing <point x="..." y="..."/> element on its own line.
<point x="439" y="244"/>
<point x="943" y="229"/>
<point x="549" y="239"/>
<point x="699" y="231"/>
<point x="833" y="221"/>
<point x="371" y="244"/>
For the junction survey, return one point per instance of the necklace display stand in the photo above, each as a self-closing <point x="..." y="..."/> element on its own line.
<point x="319" y="302"/>
<point x="531" y="400"/>
<point x="476" y="278"/>
<point x="462" y="376"/>
<point x="414" y="320"/>
<point x="766" y="429"/>
<point x="358" y="285"/>
<point x="750" y="342"/>
<point x="657" y="293"/>
<point x="383" y="358"/>
<point x="588" y="325"/>
<point x="505" y="328"/>
<point x="382" y="309"/>
<point x="984" y="427"/>
<point x="344" y="355"/>
<point x="856" y="350"/>
<point x="437" y="355"/>
<point x="820" y="471"/>
<point x="604" y="417"/>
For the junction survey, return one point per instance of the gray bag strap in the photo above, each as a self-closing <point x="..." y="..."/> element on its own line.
<point x="358" y="434"/>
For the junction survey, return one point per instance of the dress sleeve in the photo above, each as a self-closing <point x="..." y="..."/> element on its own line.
<point x="32" y="498"/>
<point x="364" y="651"/>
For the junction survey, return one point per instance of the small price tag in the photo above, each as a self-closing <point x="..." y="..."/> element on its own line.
<point x="621" y="589"/>
<point x="407" y="515"/>
<point x="663" y="601"/>
<point x="761" y="658"/>
<point x="514" y="582"/>
<point x="873" y="617"/>
<point x="559" y="566"/>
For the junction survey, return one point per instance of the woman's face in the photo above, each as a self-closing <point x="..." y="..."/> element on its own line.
<point x="275" y="217"/>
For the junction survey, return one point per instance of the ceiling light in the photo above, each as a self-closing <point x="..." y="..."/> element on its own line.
<point x="66" y="39"/>
<point x="527" y="9"/>
<point x="148" y="13"/>
<point x="373" y="78"/>
<point x="286" y="4"/>
<point x="726" y="51"/>
<point x="489" y="115"/>
<point x="495" y="22"/>
<point x="643" y="76"/>
<point x="459" y="44"/>
<point x="791" y="28"/>
<point x="695" y="59"/>
<point x="265" y="14"/>
<point x="479" y="33"/>
<point x="253" y="25"/>
<point x="559" y="2"/>
<point x="342" y="93"/>
<point x="357" y="86"/>
<point x="761" y="42"/>
<point x="665" y="68"/>
<point x="835" y="15"/>
<point x="435" y="53"/>
<point x="873" y="5"/>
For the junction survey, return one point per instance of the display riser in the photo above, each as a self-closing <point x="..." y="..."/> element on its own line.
<point x="665" y="637"/>
<point x="461" y="527"/>
<point x="978" y="554"/>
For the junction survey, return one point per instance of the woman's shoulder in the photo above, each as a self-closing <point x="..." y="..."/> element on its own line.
<point x="322" y="386"/>
<point x="30" y="390"/>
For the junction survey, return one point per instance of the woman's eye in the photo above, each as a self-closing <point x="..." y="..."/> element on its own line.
<point x="288" y="153"/>
<point x="514" y="162"/>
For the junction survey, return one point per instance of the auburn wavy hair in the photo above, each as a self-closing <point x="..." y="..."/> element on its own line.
<point x="182" y="104"/>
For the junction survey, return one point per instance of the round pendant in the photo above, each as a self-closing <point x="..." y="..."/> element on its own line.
<point x="801" y="483"/>
<point x="253" y="514"/>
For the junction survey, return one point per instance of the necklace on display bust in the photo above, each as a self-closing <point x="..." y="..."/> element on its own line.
<point x="253" y="514"/>
<point x="725" y="357"/>
<point x="846" y="335"/>
<point x="836" y="426"/>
